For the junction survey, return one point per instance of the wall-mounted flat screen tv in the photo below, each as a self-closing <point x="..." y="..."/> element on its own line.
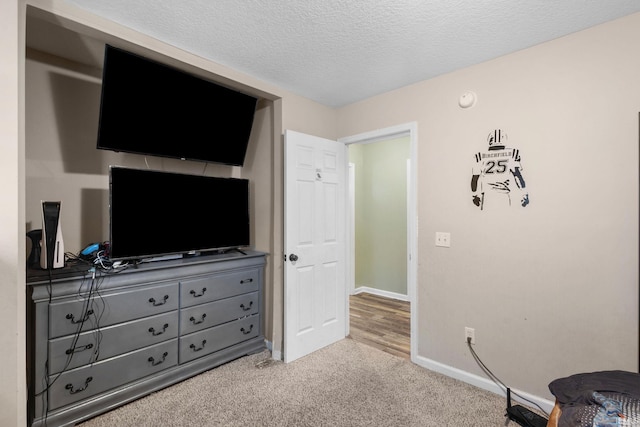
<point x="157" y="213"/>
<point x="150" y="108"/>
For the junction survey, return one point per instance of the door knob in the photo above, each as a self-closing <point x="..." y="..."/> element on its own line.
<point x="293" y="257"/>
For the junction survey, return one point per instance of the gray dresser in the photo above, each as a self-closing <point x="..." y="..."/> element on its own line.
<point x="99" y="340"/>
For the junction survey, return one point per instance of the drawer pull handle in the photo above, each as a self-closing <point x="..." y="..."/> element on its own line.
<point x="155" y="334"/>
<point x="198" y="295"/>
<point x="242" y="282"/>
<point x="79" y="349"/>
<point x="153" y="361"/>
<point x="246" y="332"/>
<point x="155" y="304"/>
<point x="244" y="308"/>
<point x="196" y="322"/>
<point x="74" y="321"/>
<point x="72" y="391"/>
<point x="193" y="346"/>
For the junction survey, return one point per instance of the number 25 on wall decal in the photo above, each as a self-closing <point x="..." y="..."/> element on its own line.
<point x="496" y="177"/>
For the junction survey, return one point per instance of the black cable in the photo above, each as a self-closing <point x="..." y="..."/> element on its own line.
<point x="89" y="304"/>
<point x="86" y="313"/>
<point x="80" y="326"/>
<point x="45" y="396"/>
<point x="496" y="380"/>
<point x="90" y="312"/>
<point x="97" y="315"/>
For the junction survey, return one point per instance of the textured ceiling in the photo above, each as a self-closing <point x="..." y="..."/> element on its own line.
<point x="341" y="51"/>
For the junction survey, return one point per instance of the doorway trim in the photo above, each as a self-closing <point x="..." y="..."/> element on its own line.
<point x="411" y="130"/>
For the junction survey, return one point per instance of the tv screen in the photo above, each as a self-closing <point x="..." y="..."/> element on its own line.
<point x="150" y="108"/>
<point x="154" y="213"/>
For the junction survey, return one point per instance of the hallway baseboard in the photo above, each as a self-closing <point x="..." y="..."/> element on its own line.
<point x="380" y="293"/>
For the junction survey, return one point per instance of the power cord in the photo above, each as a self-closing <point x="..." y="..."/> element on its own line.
<point x="92" y="314"/>
<point x="99" y="260"/>
<point x="496" y="380"/>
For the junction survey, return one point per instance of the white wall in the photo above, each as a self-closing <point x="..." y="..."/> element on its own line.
<point x="12" y="242"/>
<point x="551" y="289"/>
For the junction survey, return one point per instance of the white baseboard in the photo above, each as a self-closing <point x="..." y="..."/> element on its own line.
<point x="275" y="354"/>
<point x="483" y="383"/>
<point x="381" y="293"/>
<point x="467" y="377"/>
<point x="458" y="374"/>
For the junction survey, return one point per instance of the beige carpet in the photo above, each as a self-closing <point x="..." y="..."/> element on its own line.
<point x="345" y="384"/>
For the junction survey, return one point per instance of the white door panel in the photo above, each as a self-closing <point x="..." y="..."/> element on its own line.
<point x="315" y="218"/>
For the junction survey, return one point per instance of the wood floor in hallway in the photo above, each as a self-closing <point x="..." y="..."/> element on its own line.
<point x="381" y="322"/>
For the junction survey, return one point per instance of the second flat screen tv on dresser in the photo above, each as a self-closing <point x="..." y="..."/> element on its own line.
<point x="157" y="213"/>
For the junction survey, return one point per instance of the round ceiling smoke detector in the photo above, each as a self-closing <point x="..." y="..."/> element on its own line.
<point x="467" y="99"/>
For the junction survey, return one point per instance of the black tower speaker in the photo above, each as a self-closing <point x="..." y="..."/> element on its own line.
<point x="52" y="255"/>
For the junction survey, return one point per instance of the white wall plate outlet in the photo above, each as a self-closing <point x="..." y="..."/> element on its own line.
<point x="443" y="239"/>
<point x="470" y="333"/>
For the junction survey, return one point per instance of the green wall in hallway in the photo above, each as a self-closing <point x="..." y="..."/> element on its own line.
<point x="381" y="214"/>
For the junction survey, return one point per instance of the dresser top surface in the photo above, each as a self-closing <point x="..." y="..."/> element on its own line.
<point x="79" y="268"/>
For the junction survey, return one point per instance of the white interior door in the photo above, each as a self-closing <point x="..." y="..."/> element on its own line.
<point x="315" y="309"/>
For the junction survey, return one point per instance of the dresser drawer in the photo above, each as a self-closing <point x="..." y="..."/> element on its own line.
<point x="213" y="339"/>
<point x="72" y="316"/>
<point x="81" y="383"/>
<point x="72" y="351"/>
<point x="204" y="316"/>
<point x="210" y="288"/>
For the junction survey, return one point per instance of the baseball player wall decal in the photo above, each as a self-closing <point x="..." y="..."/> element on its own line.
<point x="496" y="177"/>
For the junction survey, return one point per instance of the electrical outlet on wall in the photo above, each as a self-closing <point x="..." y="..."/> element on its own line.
<point x="443" y="239"/>
<point x="470" y="333"/>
